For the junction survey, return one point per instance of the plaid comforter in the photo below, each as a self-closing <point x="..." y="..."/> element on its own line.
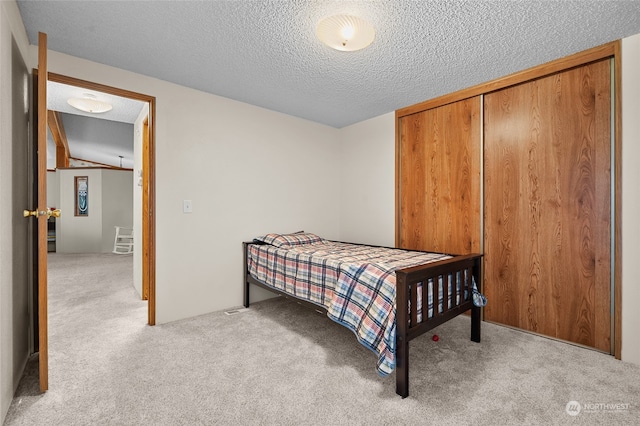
<point x="355" y="283"/>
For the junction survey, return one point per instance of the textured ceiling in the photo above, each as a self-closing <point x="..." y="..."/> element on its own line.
<point x="124" y="110"/>
<point x="102" y="141"/>
<point x="266" y="52"/>
<point x="102" y="138"/>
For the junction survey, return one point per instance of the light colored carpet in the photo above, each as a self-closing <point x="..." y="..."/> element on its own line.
<point x="280" y="363"/>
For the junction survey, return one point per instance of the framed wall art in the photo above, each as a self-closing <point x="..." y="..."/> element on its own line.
<point x="82" y="195"/>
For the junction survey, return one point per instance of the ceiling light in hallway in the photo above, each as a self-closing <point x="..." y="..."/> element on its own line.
<point x="89" y="103"/>
<point x="345" y="32"/>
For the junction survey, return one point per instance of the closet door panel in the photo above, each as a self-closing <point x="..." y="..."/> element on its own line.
<point x="547" y="164"/>
<point x="412" y="182"/>
<point x="439" y="175"/>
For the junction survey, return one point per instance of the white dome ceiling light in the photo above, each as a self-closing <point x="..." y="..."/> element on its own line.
<point x="345" y="32"/>
<point x="89" y="103"/>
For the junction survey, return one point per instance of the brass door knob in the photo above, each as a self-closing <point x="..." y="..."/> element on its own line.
<point x="48" y="213"/>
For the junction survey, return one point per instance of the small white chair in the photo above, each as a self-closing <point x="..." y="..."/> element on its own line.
<point x="123" y="243"/>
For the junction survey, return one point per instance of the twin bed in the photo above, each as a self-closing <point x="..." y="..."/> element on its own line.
<point x="386" y="296"/>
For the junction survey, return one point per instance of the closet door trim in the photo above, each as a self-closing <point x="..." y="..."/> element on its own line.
<point x="582" y="58"/>
<point x="617" y="202"/>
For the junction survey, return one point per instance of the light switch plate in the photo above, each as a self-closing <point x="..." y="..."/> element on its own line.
<point x="187" y="207"/>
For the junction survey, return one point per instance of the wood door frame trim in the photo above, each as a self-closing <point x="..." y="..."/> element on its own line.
<point x="145" y="212"/>
<point x="151" y="100"/>
<point x="609" y="50"/>
<point x="54" y="120"/>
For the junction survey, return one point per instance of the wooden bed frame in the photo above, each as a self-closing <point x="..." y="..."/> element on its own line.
<point x="407" y="327"/>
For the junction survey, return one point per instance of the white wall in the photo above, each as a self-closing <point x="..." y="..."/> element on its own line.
<point x="117" y="205"/>
<point x="14" y="306"/>
<point x="630" y="198"/>
<point x="110" y="204"/>
<point x="367" y="195"/>
<point x="246" y="169"/>
<point x="79" y="234"/>
<point x="53" y="189"/>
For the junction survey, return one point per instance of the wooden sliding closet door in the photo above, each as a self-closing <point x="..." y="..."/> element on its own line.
<point x="439" y="179"/>
<point x="547" y="205"/>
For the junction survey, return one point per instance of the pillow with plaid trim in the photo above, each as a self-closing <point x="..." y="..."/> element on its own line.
<point x="296" y="239"/>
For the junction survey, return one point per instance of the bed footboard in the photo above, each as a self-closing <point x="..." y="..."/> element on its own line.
<point x="458" y="274"/>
